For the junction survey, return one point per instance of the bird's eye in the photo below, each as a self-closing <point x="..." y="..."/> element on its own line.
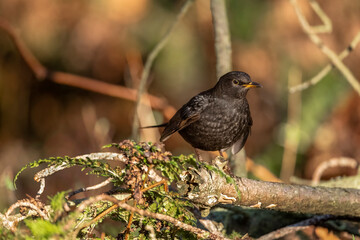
<point x="235" y="81"/>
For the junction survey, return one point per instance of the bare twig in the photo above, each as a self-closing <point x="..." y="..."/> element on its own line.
<point x="146" y="116"/>
<point x="107" y="211"/>
<point x="334" y="162"/>
<point x="41" y="189"/>
<point x="98" y="217"/>
<point x="94" y="187"/>
<point x="42" y="73"/>
<point x="49" y="171"/>
<point x="318" y="77"/>
<point x="292" y="128"/>
<point x="163" y="182"/>
<point x="128" y="227"/>
<point x="199" y="232"/>
<point x="311" y="32"/>
<point x="108" y="156"/>
<point x="326" y="27"/>
<point x="149" y="62"/>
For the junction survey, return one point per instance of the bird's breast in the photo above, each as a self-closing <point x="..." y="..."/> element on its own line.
<point x="220" y="125"/>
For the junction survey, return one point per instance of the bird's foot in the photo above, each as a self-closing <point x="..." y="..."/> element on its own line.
<point x="198" y="156"/>
<point x="222" y="164"/>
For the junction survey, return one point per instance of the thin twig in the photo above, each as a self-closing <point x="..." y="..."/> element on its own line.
<point x="49" y="171"/>
<point x="199" y="232"/>
<point x="327" y="51"/>
<point x="326" y="27"/>
<point x="166" y="188"/>
<point x="98" y="217"/>
<point x="41" y="189"/>
<point x="128" y="227"/>
<point x="94" y="187"/>
<point x="149" y="61"/>
<point x="146" y="116"/>
<point x="107" y="211"/>
<point x="334" y="162"/>
<point x="318" y="77"/>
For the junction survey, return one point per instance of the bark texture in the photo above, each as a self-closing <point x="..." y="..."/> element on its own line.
<point x="209" y="188"/>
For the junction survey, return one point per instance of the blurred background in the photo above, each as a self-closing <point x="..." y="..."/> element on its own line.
<point x="110" y="41"/>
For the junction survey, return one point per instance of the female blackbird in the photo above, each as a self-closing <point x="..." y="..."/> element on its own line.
<point x="216" y="119"/>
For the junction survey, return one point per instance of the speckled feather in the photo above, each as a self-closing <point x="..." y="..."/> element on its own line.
<point x="218" y="118"/>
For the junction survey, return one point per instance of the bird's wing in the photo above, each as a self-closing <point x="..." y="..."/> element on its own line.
<point x="239" y="144"/>
<point x="186" y="115"/>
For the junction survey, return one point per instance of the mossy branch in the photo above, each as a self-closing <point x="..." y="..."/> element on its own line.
<point x="137" y="193"/>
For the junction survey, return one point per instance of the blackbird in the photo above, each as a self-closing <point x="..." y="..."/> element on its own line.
<point x="215" y="119"/>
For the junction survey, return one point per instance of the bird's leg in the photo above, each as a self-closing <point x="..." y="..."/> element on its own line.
<point x="223" y="163"/>
<point x="198" y="156"/>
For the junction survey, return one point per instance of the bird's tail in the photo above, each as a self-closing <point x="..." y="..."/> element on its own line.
<point x="155" y="126"/>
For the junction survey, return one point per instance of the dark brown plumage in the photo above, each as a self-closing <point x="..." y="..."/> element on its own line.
<point x="216" y="119"/>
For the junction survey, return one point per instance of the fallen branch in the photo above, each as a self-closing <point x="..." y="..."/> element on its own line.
<point x="208" y="188"/>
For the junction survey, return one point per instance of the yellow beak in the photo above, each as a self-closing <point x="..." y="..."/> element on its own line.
<point x="252" y="85"/>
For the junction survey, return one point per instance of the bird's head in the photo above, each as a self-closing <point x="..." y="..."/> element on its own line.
<point x="235" y="84"/>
